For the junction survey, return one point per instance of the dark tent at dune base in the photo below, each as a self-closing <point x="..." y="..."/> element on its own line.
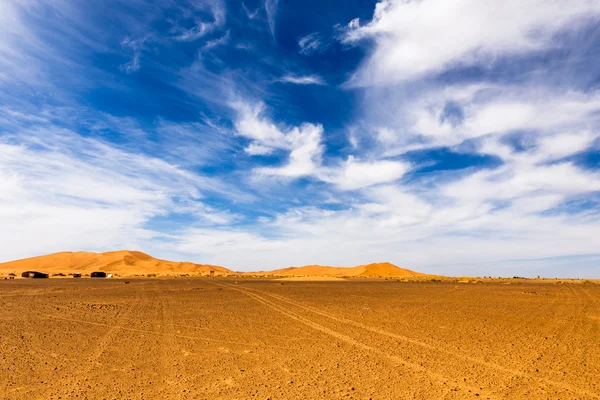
<point x="35" y="275"/>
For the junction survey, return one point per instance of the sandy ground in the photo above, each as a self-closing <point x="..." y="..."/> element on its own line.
<point x="218" y="339"/>
<point x="312" y="278"/>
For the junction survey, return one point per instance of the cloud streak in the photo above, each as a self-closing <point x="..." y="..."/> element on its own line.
<point x="311" y="44"/>
<point x="271" y="10"/>
<point x="303" y="80"/>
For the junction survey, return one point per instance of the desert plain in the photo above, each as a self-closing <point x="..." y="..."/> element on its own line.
<point x="240" y="337"/>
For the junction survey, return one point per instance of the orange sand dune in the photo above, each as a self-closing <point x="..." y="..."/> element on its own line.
<point x="122" y="262"/>
<point x="125" y="262"/>
<point x="376" y="269"/>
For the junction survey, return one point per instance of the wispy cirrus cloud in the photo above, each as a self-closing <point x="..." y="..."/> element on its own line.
<point x="355" y="174"/>
<point x="271" y="10"/>
<point x="303" y="79"/>
<point x="136" y="46"/>
<point x="311" y="44"/>
<point x="202" y="25"/>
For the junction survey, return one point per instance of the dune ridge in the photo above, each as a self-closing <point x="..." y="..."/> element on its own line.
<point x="123" y="262"/>
<point x="374" y="269"/>
<point x="126" y="262"/>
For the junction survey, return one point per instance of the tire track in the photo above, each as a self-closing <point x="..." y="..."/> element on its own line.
<point x="66" y="385"/>
<point x="200" y="328"/>
<point x="433" y="377"/>
<point x="109" y="336"/>
<point x="125" y="328"/>
<point x="428" y="346"/>
<point x="168" y="347"/>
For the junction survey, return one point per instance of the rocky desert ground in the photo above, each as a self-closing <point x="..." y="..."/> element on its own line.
<point x="244" y="338"/>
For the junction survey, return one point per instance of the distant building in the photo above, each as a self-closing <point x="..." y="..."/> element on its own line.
<point x="77" y="275"/>
<point x="98" y="274"/>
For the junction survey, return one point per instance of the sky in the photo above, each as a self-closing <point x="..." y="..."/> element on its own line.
<point x="452" y="137"/>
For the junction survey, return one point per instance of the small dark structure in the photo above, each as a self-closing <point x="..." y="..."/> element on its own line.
<point x="77" y="275"/>
<point x="98" y="274"/>
<point x="35" y="275"/>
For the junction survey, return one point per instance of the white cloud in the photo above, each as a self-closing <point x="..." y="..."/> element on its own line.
<point x="137" y="45"/>
<point x="203" y="27"/>
<point x="303" y="80"/>
<point x="133" y="65"/>
<point x="251" y="14"/>
<point x="516" y="180"/>
<point x="311" y="43"/>
<point x="354" y="174"/>
<point x="251" y="124"/>
<point x="211" y="44"/>
<point x="271" y="9"/>
<point x="305" y="151"/>
<point x="303" y="143"/>
<point x="562" y="145"/>
<point x="486" y="110"/>
<point x="256" y="149"/>
<point x="420" y="37"/>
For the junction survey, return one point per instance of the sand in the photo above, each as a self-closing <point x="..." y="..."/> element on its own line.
<point x="123" y="262"/>
<point x="242" y="338"/>
<point x="131" y="263"/>
<point x="369" y="270"/>
<point x="311" y="279"/>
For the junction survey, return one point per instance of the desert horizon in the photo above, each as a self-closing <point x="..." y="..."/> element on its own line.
<point x="128" y="263"/>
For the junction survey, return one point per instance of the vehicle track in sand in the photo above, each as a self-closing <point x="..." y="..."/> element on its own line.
<point x="157" y="322"/>
<point x="434" y="377"/>
<point x="66" y="386"/>
<point x="435" y="348"/>
<point x="156" y="333"/>
<point x="168" y="350"/>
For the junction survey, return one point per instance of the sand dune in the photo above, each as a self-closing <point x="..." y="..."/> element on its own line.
<point x="125" y="262"/>
<point x="375" y="269"/>
<point x="122" y="262"/>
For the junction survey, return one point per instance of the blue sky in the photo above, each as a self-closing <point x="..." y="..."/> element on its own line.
<point x="451" y="137"/>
